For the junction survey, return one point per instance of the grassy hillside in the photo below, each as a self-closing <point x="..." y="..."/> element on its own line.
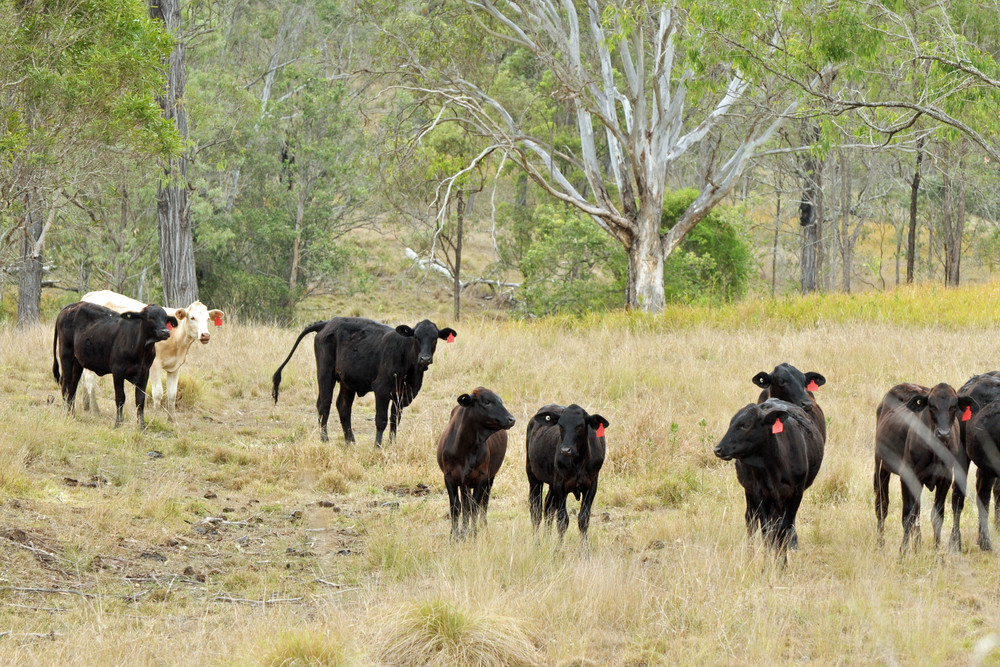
<point x="249" y="542"/>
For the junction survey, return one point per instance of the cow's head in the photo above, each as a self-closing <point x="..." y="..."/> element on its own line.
<point x="788" y="383"/>
<point x="750" y="429"/>
<point x="939" y="409"/>
<point x="154" y="322"/>
<point x="426" y="335"/>
<point x="575" y="426"/>
<point x="198" y="316"/>
<point x="487" y="409"/>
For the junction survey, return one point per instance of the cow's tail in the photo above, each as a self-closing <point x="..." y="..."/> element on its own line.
<point x="55" y="356"/>
<point x="312" y="328"/>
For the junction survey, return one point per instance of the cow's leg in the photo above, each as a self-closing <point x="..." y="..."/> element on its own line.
<point x="454" y="505"/>
<point x="466" y="508"/>
<point x="937" y="510"/>
<point x="326" y="378"/>
<point x="156" y="390"/>
<point x="752" y="514"/>
<point x="486" y="500"/>
<point x="996" y="504"/>
<point x="119" y="381"/>
<point x="549" y="511"/>
<point x="345" y="401"/>
<point x="559" y="505"/>
<point x="395" y="415"/>
<point x="911" y="512"/>
<point x="381" y="417"/>
<point x="89" y="381"/>
<point x="72" y="382"/>
<point x="478" y="506"/>
<point x="959" y="488"/>
<point x="881" y="498"/>
<point x="787" y="537"/>
<point x="583" y="520"/>
<point x="535" y="487"/>
<point x="985" y="483"/>
<point x="140" y="399"/>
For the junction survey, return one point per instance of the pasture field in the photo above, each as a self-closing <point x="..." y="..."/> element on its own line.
<point x="233" y="537"/>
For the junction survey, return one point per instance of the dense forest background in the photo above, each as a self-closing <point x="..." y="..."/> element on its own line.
<point x="530" y="156"/>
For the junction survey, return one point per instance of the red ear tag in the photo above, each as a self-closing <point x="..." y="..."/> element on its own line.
<point x="451" y="338"/>
<point x="600" y="430"/>
<point x="812" y="386"/>
<point x="967" y="415"/>
<point x="170" y="327"/>
<point x="778" y="426"/>
<point x="218" y="320"/>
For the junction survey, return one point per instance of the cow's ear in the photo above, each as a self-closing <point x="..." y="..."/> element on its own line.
<point x="446" y="333"/>
<point x="172" y="321"/>
<point x="771" y="417"/>
<point x="967" y="403"/>
<point x="812" y="376"/>
<point x="466" y="400"/>
<point x="216" y="314"/>
<point x="180" y="314"/>
<point x="404" y="330"/>
<point x="762" y="380"/>
<point x="598" y="423"/>
<point x="917" y="403"/>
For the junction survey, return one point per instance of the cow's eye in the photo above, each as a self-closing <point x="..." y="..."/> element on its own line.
<point x="548" y="418"/>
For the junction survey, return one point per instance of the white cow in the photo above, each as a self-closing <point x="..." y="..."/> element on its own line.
<point x="170" y="353"/>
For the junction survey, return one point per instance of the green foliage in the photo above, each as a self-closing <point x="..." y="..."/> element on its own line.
<point x="713" y="262"/>
<point x="571" y="265"/>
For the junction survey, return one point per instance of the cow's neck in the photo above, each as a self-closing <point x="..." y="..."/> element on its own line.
<point x="471" y="432"/>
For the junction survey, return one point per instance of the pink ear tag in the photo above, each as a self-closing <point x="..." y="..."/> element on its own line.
<point x="451" y="338"/>
<point x="170" y="327"/>
<point x="600" y="430"/>
<point x="778" y="426"/>
<point x="812" y="386"/>
<point x="218" y="320"/>
<point x="967" y="415"/>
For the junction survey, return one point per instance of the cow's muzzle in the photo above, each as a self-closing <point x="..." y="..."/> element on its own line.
<point x="424" y="361"/>
<point x="942" y="434"/>
<point x="205" y="337"/>
<point x="721" y="453"/>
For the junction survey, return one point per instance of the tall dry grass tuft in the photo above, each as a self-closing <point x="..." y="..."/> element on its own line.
<point x="440" y="632"/>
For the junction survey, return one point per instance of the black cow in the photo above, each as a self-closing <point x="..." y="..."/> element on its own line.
<point x="781" y="451"/>
<point x="366" y="356"/>
<point x="917" y="437"/>
<point x="979" y="436"/>
<point x="92" y="337"/>
<point x="786" y="383"/>
<point x="566" y="449"/>
<point x="470" y="452"/>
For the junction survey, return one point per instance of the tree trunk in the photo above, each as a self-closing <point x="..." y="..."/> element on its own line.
<point x="774" y="245"/>
<point x="956" y="262"/>
<point x="948" y="234"/>
<point x="29" y="284"/>
<point x="645" y="260"/>
<point x="911" y="239"/>
<point x="180" y="284"/>
<point x="811" y="220"/>
<point x="300" y="212"/>
<point x="460" y="209"/>
<point x="846" y="239"/>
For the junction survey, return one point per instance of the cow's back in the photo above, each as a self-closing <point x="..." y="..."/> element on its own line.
<point x="361" y="348"/>
<point x="892" y="423"/>
<point x="798" y="453"/>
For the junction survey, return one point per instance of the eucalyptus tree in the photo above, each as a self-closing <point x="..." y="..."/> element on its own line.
<point x="647" y="86"/>
<point x="77" y="85"/>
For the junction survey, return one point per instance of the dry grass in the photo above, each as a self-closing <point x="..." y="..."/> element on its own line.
<point x="249" y="543"/>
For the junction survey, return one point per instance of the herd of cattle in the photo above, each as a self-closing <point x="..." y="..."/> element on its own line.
<point x="926" y="436"/>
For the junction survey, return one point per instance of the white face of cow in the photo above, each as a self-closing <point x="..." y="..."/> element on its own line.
<point x="199" y="319"/>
